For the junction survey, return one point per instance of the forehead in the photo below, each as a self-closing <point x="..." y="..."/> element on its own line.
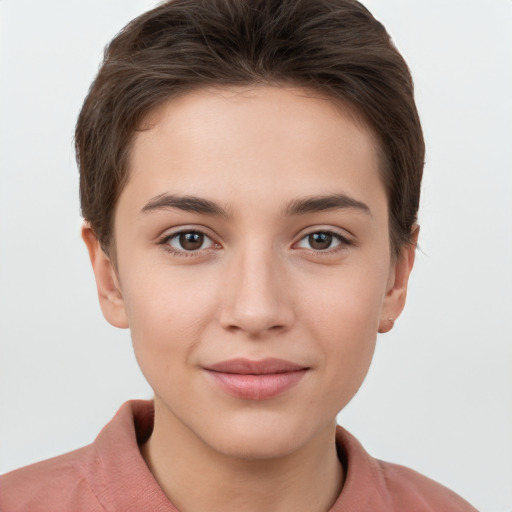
<point x="275" y="140"/>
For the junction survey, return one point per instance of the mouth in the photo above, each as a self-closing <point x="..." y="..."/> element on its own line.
<point x="256" y="380"/>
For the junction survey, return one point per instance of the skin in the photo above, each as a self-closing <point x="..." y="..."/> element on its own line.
<point x="256" y="288"/>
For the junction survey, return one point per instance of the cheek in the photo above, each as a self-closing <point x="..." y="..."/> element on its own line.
<point x="347" y="301"/>
<point x="343" y="319"/>
<point x="167" y="311"/>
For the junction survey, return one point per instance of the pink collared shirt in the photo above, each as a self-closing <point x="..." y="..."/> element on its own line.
<point x="111" y="475"/>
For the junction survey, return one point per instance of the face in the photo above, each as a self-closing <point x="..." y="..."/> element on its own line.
<point x="253" y="265"/>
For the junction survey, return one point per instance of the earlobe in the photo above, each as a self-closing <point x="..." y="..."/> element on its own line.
<point x="396" y="294"/>
<point x="107" y="283"/>
<point x="386" y="325"/>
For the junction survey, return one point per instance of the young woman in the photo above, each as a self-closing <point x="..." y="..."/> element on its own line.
<point x="250" y="177"/>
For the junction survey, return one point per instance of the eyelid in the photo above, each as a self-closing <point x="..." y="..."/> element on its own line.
<point x="341" y="236"/>
<point x="186" y="228"/>
<point x="164" y="239"/>
<point x="177" y="236"/>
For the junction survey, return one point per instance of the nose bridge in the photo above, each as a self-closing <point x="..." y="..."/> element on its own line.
<point x="255" y="298"/>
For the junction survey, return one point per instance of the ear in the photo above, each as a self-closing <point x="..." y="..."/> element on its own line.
<point x="396" y="294"/>
<point x="107" y="282"/>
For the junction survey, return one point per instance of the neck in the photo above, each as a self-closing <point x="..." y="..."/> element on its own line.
<point x="194" y="476"/>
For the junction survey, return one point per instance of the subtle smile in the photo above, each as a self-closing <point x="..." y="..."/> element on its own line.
<point x="256" y="380"/>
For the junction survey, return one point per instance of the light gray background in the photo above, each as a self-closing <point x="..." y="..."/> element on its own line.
<point x="439" y="395"/>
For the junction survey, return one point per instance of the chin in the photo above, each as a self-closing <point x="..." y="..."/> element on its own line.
<point x="261" y="445"/>
<point x="260" y="437"/>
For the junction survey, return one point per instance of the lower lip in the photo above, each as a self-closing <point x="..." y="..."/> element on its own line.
<point x="257" y="387"/>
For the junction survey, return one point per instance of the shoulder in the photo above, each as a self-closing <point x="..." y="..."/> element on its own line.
<point x="372" y="484"/>
<point x="412" y="491"/>
<point x="109" y="474"/>
<point x="56" y="484"/>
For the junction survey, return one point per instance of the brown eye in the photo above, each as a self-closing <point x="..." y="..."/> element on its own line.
<point x="189" y="241"/>
<point x="323" y="241"/>
<point x="320" y="241"/>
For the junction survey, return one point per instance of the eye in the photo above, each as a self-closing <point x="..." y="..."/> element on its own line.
<point x="322" y="241"/>
<point x="188" y="241"/>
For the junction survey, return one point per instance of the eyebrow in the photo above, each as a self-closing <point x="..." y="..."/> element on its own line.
<point x="299" y="206"/>
<point x="324" y="203"/>
<point x="185" y="203"/>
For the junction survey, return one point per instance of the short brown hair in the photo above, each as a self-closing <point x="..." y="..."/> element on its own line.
<point x="335" y="47"/>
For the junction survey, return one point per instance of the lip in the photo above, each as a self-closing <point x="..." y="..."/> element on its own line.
<point x="256" y="380"/>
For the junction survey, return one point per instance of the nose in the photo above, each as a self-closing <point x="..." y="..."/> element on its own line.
<point x="255" y="298"/>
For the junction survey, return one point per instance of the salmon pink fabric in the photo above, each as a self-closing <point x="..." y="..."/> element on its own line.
<point x="111" y="475"/>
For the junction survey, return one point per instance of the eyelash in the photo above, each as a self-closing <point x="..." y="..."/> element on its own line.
<point x="343" y="244"/>
<point x="164" y="243"/>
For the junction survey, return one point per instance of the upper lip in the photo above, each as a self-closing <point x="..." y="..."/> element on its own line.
<point x="248" y="367"/>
